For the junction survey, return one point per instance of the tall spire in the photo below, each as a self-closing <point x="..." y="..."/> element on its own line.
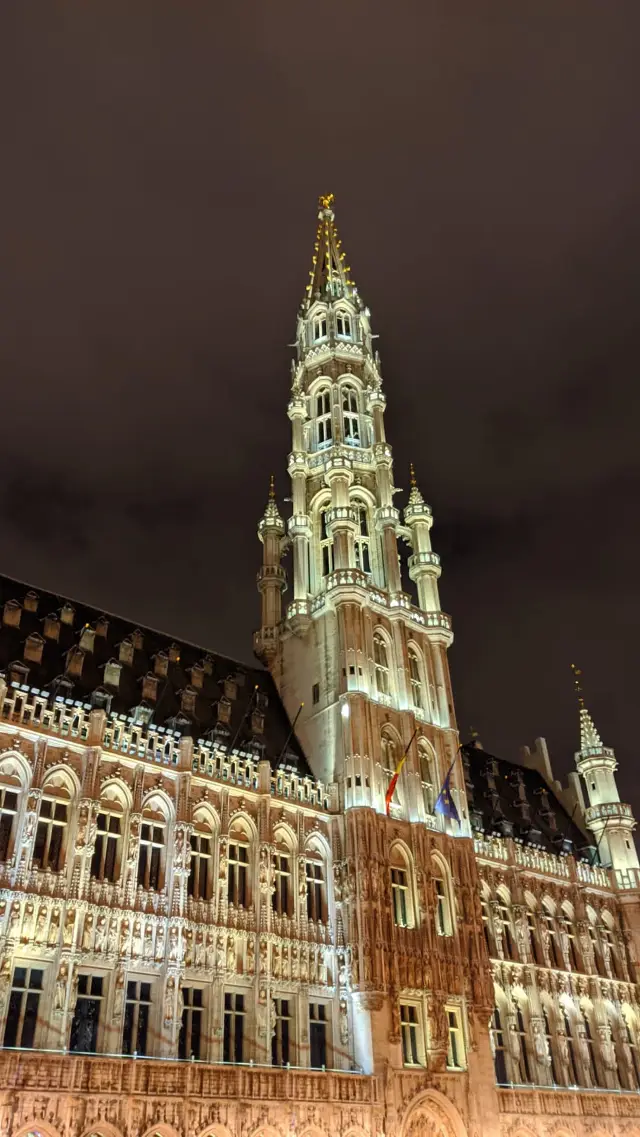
<point x="330" y="275"/>
<point x="589" y="738"/>
<point x="415" y="497"/>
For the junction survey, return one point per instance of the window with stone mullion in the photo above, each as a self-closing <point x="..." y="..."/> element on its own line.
<point x="8" y="812"/>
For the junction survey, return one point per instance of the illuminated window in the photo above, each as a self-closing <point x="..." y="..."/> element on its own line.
<point x="411" y="1030"/>
<point x="523" y="1049"/>
<point x="381" y="664"/>
<point x="326" y="543"/>
<point x="504" y="916"/>
<point x="323" y="418"/>
<point x="361" y="548"/>
<point x="455" y="1051"/>
<point x="152" y="851"/>
<point x="201" y="871"/>
<point x="315" y="892"/>
<point x="343" y="324"/>
<point x="350" y="416"/>
<point x="320" y="327"/>
<point x="8" y="814"/>
<point x="281" y="896"/>
<point x="443" y="913"/>
<point x="415" y="679"/>
<point x="399" y="890"/>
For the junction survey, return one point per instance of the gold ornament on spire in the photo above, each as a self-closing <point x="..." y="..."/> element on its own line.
<point x="412" y="475"/>
<point x="330" y="276"/>
<point x="272" y="488"/>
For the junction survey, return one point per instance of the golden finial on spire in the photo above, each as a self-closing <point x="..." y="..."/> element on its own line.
<point x="325" y="201"/>
<point x="577" y="685"/>
<point x="272" y="488"/>
<point x="412" y="475"/>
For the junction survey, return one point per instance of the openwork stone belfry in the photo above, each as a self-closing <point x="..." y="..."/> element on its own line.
<point x="214" y="924"/>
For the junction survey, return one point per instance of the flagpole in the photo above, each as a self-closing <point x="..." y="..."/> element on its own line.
<point x="290" y="734"/>
<point x="394" y="781"/>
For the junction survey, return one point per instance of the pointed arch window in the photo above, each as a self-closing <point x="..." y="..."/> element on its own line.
<point x="498" y="1048"/>
<point x="152" y="856"/>
<point x="362" y="540"/>
<point x="415" y="679"/>
<point x="326" y="542"/>
<point x="320" y="327"/>
<point x="49" y="848"/>
<point x="343" y="324"/>
<point x="105" y="863"/>
<point x="504" y="916"/>
<point x="350" y="416"/>
<point x="381" y="665"/>
<point x="201" y="867"/>
<point x="324" y="427"/>
<point x="428" y="774"/>
<point x="401" y="889"/>
<point x="9" y="791"/>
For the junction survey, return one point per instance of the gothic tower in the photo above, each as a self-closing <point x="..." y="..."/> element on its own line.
<point x="367" y="660"/>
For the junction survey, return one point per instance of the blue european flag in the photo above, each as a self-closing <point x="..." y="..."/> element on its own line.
<point x="445" y="803"/>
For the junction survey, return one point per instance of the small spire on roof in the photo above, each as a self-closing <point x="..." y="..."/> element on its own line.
<point x="589" y="737"/>
<point x="271" y="512"/>
<point x="330" y="275"/>
<point x="415" y="497"/>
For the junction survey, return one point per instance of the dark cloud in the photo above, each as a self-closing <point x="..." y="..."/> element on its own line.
<point x="161" y="164"/>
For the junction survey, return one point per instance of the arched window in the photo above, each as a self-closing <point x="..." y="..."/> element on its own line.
<point x="51" y="833"/>
<point x="9" y="799"/>
<point x="487" y="922"/>
<point x="350" y="416"/>
<point x="201" y="868"/>
<point x="343" y="324"/>
<point x="361" y="548"/>
<point x="496" y="1032"/>
<point x="107" y="853"/>
<point x="320" y="327"/>
<point x="381" y="664"/>
<point x="431" y="685"/>
<point x="282" y="862"/>
<point x="316" y="882"/>
<point x="324" y="426"/>
<point x="326" y="542"/>
<point x="442" y="898"/>
<point x="401" y="888"/>
<point x="503" y="914"/>
<point x="532" y="925"/>
<point x="611" y="940"/>
<point x="415" y="680"/>
<point x="238" y="881"/>
<point x="153" y="846"/>
<point x="428" y="774"/>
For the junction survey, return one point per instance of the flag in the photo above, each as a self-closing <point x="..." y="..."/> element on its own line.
<point x="394" y="781"/>
<point x="445" y="803"/>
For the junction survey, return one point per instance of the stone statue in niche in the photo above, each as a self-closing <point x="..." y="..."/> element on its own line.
<point x="60" y="995"/>
<point x="87" y="932"/>
<point x="160" y="942"/>
<point x="231" y="954"/>
<point x="169" y="1000"/>
<point x="118" y="997"/>
<point x="136" y="940"/>
<point x="69" y="927"/>
<point x="41" y="925"/>
<point x="251" y="955"/>
<point x="147" y="948"/>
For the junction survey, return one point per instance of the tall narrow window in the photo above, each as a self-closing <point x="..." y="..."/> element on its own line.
<point x="567" y="927"/>
<point x="548" y="1033"/>
<point x="455" y="1051"/>
<point x="86" y="1017"/>
<point x="136" y="1018"/>
<point x="233" y="1042"/>
<point x="593" y="1066"/>
<point x="350" y="416"/>
<point x="343" y="324"/>
<point x="521" y="1032"/>
<point x="200" y="874"/>
<point x="486" y="926"/>
<point x="323" y="419"/>
<point x="428" y="776"/>
<point x="106" y="854"/>
<point x="8" y="813"/>
<point x="318" y="1035"/>
<point x="415" y="678"/>
<point x="189" y="1042"/>
<point x="48" y="851"/>
<point x="443" y="916"/>
<point x="151" y="859"/>
<point x="497" y="1037"/>
<point x="555" y="952"/>
<point x="399" y="891"/>
<point x="238" y="869"/>
<point x="381" y="664"/>
<point x="280" y="1041"/>
<point x="533" y="937"/>
<point x="508" y="945"/>
<point x="326" y="543"/>
<point x="315" y="892"/>
<point x="361" y="547"/>
<point x="282" y="892"/>
<point x="24" y="1001"/>
<point x="612" y="942"/>
<point x="320" y="327"/>
<point x="410" y="1029"/>
<point x="573" y="1068"/>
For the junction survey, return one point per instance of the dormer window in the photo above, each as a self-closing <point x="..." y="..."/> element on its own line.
<point x="323" y="418"/>
<point x="18" y="672"/>
<point x="257" y="722"/>
<point x="125" y="651"/>
<point x="30" y="603"/>
<point x="188" y="700"/>
<point x="87" y="637"/>
<point x="343" y="324"/>
<point x="161" y="663"/>
<point x="11" y="614"/>
<point x="33" y="648"/>
<point x="75" y="660"/>
<point x="52" y="627"/>
<point x="67" y="614"/>
<point x="137" y="640"/>
<point x="112" y="673"/>
<point x="102" y="626"/>
<point x="149" y="687"/>
<point x="207" y="665"/>
<point x="224" y="710"/>
<point x="174" y="654"/>
<point x="320" y="327"/>
<point x="230" y="688"/>
<point x="197" y="676"/>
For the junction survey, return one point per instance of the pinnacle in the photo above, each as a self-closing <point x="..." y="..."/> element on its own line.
<point x="330" y="276"/>
<point x="589" y="737"/>
<point x="415" y="497"/>
<point x="271" y="511"/>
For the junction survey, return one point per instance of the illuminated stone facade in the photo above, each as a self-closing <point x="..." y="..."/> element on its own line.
<point x="209" y="925"/>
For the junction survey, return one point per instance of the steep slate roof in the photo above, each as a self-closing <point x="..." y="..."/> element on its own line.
<point x="237" y="704"/>
<point x="513" y="800"/>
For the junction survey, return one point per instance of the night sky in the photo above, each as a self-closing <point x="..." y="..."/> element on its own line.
<point x="159" y="175"/>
